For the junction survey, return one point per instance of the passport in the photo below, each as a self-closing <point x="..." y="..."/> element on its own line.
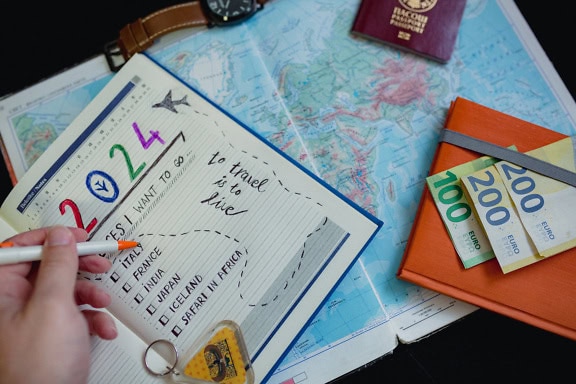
<point x="425" y="27"/>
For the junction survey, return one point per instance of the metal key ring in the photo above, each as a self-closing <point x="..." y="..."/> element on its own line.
<point x="168" y="369"/>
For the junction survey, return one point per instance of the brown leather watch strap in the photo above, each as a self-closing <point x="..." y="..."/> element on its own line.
<point x="139" y="35"/>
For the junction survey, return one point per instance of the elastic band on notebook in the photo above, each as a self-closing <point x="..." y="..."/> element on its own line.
<point x="503" y="153"/>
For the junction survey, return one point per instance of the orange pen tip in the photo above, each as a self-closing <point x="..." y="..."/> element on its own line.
<point x="125" y="244"/>
<point x="6" y="244"/>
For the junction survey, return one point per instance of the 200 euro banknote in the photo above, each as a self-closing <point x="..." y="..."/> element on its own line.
<point x="547" y="207"/>
<point x="510" y="242"/>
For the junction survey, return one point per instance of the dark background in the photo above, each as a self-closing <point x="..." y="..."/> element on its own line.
<point x="42" y="39"/>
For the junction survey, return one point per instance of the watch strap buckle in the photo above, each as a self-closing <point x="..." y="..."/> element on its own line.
<point x="114" y="56"/>
<point x="140" y="35"/>
<point x="133" y="38"/>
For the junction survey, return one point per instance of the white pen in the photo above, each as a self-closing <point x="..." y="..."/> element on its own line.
<point x="10" y="253"/>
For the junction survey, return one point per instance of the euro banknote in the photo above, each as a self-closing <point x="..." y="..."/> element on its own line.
<point x="510" y="242"/>
<point x="463" y="227"/>
<point x="547" y="207"/>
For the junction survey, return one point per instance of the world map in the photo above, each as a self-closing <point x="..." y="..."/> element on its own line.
<point x="363" y="116"/>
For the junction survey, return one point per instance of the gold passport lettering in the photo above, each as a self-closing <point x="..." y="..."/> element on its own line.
<point x="411" y="21"/>
<point x="404" y="35"/>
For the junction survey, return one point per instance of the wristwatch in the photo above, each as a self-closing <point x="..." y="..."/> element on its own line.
<point x="140" y="34"/>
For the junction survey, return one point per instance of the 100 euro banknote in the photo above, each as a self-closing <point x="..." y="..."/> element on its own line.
<point x="547" y="207"/>
<point x="463" y="227"/>
<point x="510" y="242"/>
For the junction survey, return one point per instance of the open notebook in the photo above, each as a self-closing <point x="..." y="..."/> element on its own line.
<point x="229" y="227"/>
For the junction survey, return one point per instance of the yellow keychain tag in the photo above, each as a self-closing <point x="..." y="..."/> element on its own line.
<point x="219" y="357"/>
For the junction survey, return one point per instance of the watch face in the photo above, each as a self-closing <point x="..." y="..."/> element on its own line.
<point x="229" y="11"/>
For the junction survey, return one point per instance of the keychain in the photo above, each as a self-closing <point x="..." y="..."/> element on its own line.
<point x="220" y="357"/>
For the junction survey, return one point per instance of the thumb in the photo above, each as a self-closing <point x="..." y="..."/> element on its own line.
<point x="59" y="265"/>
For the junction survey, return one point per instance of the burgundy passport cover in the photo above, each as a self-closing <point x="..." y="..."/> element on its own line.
<point x="425" y="27"/>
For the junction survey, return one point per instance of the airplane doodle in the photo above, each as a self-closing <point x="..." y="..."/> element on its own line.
<point x="170" y="104"/>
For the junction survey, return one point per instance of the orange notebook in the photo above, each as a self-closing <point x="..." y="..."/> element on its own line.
<point x="542" y="294"/>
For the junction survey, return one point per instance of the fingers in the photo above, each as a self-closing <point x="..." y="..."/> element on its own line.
<point x="101" y="324"/>
<point x="88" y="293"/>
<point x="57" y="272"/>
<point x="56" y="280"/>
<point x="34" y="237"/>
<point x="94" y="264"/>
<point x="38" y="236"/>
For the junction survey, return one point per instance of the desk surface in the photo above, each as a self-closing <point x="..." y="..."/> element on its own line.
<point x="478" y="348"/>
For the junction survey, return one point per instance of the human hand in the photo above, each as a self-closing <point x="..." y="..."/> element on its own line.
<point x="44" y="334"/>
